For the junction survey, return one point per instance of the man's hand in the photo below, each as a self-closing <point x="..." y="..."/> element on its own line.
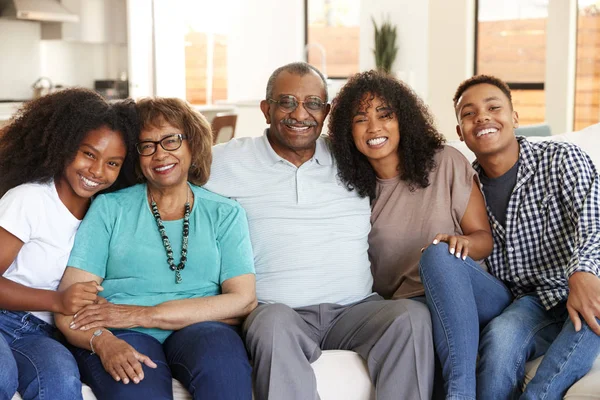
<point x="584" y="300"/>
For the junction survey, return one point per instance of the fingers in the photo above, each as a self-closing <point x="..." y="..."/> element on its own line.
<point x="590" y="318"/>
<point x="440" y="237"/>
<point x="128" y="367"/>
<point x="452" y="245"/>
<point x="90" y="287"/>
<point x="121" y="374"/>
<point x="101" y="300"/>
<point x="574" y="315"/>
<point x="145" y="360"/>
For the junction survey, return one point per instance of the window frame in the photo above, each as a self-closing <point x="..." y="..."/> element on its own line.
<point x="511" y="85"/>
<point x="306" y="43"/>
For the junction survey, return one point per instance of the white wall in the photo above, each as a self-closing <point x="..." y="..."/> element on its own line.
<point x="79" y="64"/>
<point x="409" y="16"/>
<point x="451" y="47"/>
<point x="19" y="58"/>
<point x="265" y="35"/>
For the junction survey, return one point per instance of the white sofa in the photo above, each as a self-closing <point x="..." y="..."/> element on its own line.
<point x="342" y="375"/>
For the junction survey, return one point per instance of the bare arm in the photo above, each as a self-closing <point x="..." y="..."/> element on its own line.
<point x="17" y="297"/>
<point x="75" y="337"/>
<point x="476" y="240"/>
<point x="119" y="358"/>
<point x="237" y="300"/>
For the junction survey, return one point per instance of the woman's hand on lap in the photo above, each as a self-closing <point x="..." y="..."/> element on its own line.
<point x="458" y="245"/>
<point x="120" y="359"/>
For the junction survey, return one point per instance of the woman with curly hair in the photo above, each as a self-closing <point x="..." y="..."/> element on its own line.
<point x="422" y="192"/>
<point x="57" y="153"/>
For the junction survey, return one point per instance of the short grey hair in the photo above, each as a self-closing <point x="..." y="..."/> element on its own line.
<point x="296" y="68"/>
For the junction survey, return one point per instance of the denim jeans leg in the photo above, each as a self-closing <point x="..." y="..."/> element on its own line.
<point x="210" y="359"/>
<point x="462" y="298"/>
<point x="524" y="331"/>
<point x="157" y="383"/>
<point x="567" y="360"/>
<point x="9" y="377"/>
<point x="46" y="368"/>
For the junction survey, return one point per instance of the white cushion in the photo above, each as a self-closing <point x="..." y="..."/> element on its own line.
<point x="341" y="375"/>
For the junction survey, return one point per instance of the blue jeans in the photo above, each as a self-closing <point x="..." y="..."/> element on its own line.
<point x="33" y="362"/>
<point x="208" y="358"/>
<point x="524" y="331"/>
<point x="462" y="299"/>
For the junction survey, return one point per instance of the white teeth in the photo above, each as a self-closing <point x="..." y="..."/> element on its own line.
<point x="166" y="167"/>
<point x="298" y="128"/>
<point x="376" y="141"/>
<point x="486" y="131"/>
<point x="87" y="182"/>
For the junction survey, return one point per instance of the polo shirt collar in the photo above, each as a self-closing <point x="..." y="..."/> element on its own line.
<point x="322" y="152"/>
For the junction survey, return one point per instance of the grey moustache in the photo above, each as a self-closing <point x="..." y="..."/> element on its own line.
<point x="294" y="122"/>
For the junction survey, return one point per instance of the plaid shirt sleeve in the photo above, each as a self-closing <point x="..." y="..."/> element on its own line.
<point x="580" y="195"/>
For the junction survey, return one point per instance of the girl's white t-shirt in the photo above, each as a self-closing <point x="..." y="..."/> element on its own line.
<point x="34" y="213"/>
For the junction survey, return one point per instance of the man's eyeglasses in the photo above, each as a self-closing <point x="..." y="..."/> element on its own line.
<point x="288" y="104"/>
<point x="169" y="143"/>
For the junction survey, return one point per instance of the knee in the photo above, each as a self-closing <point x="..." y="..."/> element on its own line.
<point x="62" y="368"/>
<point x="9" y="379"/>
<point x="432" y="257"/>
<point x="500" y="345"/>
<point x="270" y="320"/>
<point x="412" y="315"/>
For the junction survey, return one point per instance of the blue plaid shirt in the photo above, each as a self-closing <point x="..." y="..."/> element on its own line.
<point x="552" y="222"/>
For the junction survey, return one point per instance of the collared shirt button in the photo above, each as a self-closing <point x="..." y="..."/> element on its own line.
<point x="517" y="279"/>
<point x="511" y="249"/>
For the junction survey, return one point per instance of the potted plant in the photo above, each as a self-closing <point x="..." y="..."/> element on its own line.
<point x="385" y="45"/>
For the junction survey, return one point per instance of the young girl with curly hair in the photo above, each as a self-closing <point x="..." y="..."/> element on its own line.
<point x="58" y="152"/>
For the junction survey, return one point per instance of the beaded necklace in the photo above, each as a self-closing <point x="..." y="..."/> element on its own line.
<point x="163" y="234"/>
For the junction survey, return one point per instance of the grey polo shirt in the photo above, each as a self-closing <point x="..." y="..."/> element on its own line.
<point x="309" y="233"/>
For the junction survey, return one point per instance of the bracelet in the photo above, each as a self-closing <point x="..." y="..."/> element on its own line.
<point x="94" y="335"/>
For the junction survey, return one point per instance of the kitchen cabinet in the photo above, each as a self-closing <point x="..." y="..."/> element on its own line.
<point x="100" y="21"/>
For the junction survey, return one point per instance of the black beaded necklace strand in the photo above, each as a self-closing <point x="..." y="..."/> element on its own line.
<point x="165" y="238"/>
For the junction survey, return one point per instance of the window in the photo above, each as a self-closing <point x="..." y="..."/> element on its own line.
<point x="206" y="51"/>
<point x="333" y="36"/>
<point x="587" y="78"/>
<point x="511" y="44"/>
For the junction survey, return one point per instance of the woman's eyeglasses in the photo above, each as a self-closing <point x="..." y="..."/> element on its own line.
<point x="169" y="143"/>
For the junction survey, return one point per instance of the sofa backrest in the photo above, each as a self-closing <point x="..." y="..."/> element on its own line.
<point x="588" y="139"/>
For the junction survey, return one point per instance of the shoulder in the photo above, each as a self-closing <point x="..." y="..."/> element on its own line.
<point x="211" y="197"/>
<point x="235" y="146"/>
<point x="561" y="153"/>
<point x="29" y="194"/>
<point x="450" y="156"/>
<point x="121" y="198"/>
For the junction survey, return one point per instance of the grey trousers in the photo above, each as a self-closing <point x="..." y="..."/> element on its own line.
<point x="393" y="336"/>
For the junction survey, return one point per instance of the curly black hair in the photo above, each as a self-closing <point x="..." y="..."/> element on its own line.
<point x="419" y="139"/>
<point x="45" y="134"/>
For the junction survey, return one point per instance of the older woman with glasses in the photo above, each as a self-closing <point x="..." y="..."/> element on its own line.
<point x="176" y="267"/>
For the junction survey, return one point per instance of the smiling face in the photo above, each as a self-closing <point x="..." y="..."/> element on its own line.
<point x="376" y="132"/>
<point x="96" y="165"/>
<point x="165" y="169"/>
<point x="293" y="134"/>
<point x="486" y="120"/>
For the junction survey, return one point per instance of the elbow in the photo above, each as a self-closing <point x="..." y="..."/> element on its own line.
<point x="251" y="302"/>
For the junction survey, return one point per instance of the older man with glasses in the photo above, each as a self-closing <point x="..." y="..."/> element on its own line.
<point x="309" y="236"/>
